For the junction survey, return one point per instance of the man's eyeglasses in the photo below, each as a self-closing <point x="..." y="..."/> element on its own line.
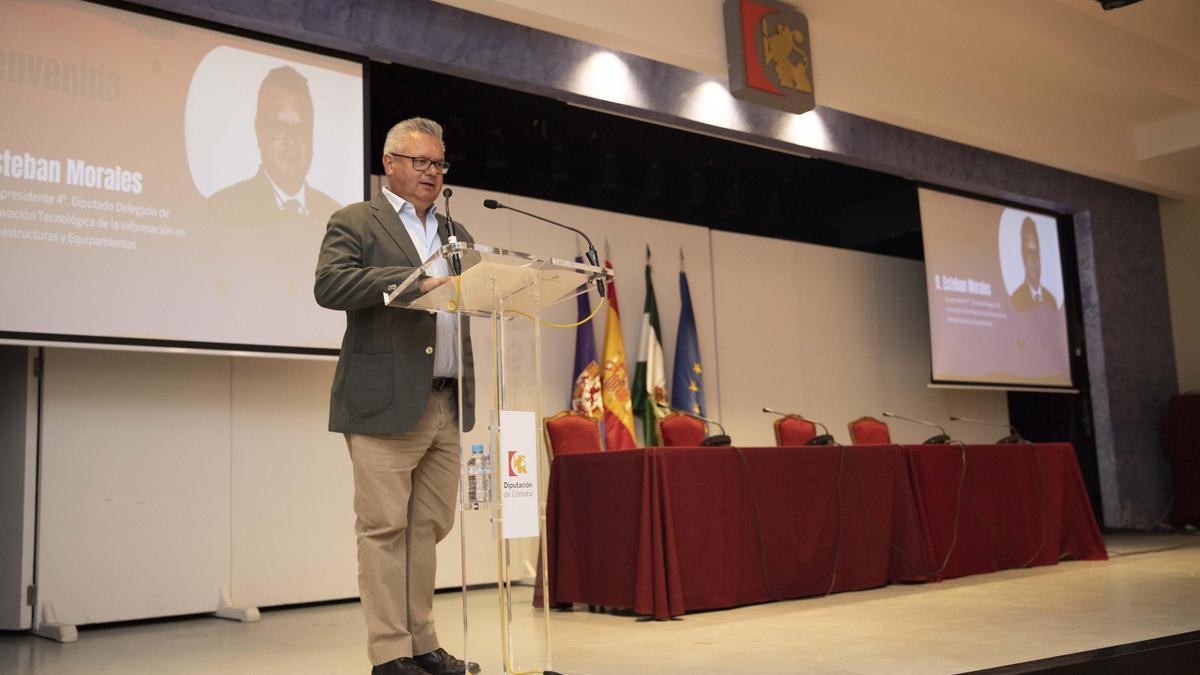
<point x="422" y="163"/>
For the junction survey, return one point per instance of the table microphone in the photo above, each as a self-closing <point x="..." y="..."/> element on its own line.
<point x="940" y="439"/>
<point x="823" y="439"/>
<point x="592" y="256"/>
<point x="455" y="260"/>
<point x="1014" y="437"/>
<point x="720" y="439"/>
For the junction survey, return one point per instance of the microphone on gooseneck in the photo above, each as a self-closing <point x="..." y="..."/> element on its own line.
<point x="822" y="439"/>
<point x="932" y="440"/>
<point x="592" y="256"/>
<point x="455" y="261"/>
<point x="721" y="439"/>
<point x="1014" y="437"/>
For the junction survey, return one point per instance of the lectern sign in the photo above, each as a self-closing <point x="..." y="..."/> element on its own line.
<point x="770" y="55"/>
<point x="518" y="474"/>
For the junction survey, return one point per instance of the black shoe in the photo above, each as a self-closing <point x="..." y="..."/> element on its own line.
<point x="405" y="665"/>
<point x="440" y="662"/>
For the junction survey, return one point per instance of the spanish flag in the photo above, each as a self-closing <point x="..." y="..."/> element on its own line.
<point x="618" y="408"/>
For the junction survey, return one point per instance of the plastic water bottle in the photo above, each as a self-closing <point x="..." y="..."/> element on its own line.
<point x="479" y="477"/>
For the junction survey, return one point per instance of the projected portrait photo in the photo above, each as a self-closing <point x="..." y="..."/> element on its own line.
<point x="257" y="148"/>
<point x="279" y="191"/>
<point x="1029" y="260"/>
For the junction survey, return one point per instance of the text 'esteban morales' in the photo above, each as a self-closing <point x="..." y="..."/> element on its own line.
<point x="945" y="282"/>
<point x="79" y="173"/>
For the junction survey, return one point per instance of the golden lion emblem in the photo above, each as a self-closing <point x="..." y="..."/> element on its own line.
<point x="777" y="52"/>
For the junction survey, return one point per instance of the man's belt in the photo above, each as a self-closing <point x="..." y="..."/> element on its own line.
<point x="440" y="383"/>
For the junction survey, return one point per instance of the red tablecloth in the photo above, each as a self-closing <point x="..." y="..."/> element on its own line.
<point x="1020" y="505"/>
<point x="668" y="530"/>
<point x="1182" y="445"/>
<point x="663" y="531"/>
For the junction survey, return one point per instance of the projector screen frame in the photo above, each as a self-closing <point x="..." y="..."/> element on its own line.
<point x="1072" y="305"/>
<point x="213" y="347"/>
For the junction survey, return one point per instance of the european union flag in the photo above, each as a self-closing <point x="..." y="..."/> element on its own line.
<point x="687" y="388"/>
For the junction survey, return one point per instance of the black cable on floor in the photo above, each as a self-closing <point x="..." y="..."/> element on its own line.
<point x="837" y="551"/>
<point x="1041" y="501"/>
<point x="762" y="541"/>
<point x="892" y="544"/>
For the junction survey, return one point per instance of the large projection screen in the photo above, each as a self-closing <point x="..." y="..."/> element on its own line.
<point x="996" y="294"/>
<point x="163" y="183"/>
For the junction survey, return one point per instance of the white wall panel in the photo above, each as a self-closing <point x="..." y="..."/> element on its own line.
<point x="839" y="336"/>
<point x="759" y="334"/>
<point x="902" y="313"/>
<point x="293" y="514"/>
<point x="135" y="484"/>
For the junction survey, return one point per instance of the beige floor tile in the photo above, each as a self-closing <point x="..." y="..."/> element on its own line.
<point x="1150" y="588"/>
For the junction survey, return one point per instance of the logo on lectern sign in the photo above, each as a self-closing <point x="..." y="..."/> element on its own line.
<point x="770" y="55"/>
<point x="517" y="464"/>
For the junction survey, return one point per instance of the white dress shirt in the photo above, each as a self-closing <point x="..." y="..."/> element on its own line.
<point x="282" y="198"/>
<point x="427" y="241"/>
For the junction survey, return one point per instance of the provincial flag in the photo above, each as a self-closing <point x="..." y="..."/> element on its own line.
<point x="586" y="389"/>
<point x="618" y="409"/>
<point x="688" y="381"/>
<point x="650" y="400"/>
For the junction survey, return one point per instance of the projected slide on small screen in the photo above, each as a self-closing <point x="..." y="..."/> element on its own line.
<point x="995" y="284"/>
<point x="165" y="182"/>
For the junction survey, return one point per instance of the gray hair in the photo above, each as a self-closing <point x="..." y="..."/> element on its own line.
<point x="412" y="125"/>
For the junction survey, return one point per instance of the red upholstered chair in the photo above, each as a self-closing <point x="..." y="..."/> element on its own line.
<point x="567" y="433"/>
<point x="867" y="430"/>
<point x="793" y="430"/>
<point x="678" y="429"/>
<point x="570" y="432"/>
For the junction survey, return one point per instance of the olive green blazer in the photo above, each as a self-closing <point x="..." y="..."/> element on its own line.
<point x="384" y="373"/>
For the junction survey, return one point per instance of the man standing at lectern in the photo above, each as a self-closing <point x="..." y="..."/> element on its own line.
<point x="394" y="397"/>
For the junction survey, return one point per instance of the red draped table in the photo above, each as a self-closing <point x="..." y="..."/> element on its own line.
<point x="1020" y="505"/>
<point x="668" y="530"/>
<point x="1182" y="445"/>
<point x="663" y="531"/>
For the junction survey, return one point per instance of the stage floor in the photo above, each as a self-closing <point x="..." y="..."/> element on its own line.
<point x="1149" y="589"/>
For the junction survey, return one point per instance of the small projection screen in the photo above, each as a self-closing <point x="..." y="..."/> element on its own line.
<point x="995" y="286"/>
<point x="165" y="184"/>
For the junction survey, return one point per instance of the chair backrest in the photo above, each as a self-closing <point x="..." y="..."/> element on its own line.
<point x="794" y="430"/>
<point x="867" y="430"/>
<point x="678" y="429"/>
<point x="570" y="432"/>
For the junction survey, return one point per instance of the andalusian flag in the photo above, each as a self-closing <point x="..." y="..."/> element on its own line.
<point x="688" y="381"/>
<point x="618" y="410"/>
<point x="649" y="377"/>
<point x="586" y="390"/>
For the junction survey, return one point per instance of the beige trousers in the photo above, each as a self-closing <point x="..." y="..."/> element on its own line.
<point x="405" y="495"/>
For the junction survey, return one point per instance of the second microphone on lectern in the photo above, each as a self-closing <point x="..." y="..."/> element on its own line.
<point x="592" y="256"/>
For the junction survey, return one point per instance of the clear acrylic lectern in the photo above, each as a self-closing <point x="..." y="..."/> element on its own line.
<point x="508" y="290"/>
